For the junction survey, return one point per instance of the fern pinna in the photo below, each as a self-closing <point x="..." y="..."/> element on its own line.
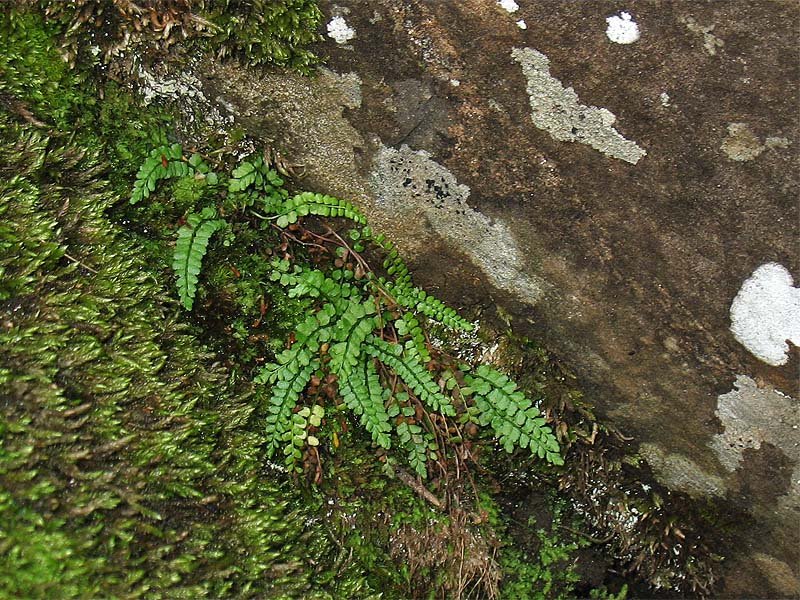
<point x="362" y="334"/>
<point x="190" y="248"/>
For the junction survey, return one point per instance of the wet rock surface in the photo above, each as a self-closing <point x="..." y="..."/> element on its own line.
<point x="625" y="265"/>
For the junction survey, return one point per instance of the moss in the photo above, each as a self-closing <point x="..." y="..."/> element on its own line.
<point x="99" y="114"/>
<point x="121" y="471"/>
<point x="259" y="32"/>
<point x="267" y="32"/>
<point x="32" y="70"/>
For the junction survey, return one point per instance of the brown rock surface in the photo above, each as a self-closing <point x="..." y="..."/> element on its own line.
<point x="628" y="271"/>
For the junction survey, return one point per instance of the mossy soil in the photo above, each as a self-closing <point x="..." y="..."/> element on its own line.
<point x="131" y="463"/>
<point x="132" y="448"/>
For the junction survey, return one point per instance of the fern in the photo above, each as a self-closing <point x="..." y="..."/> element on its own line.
<point x="308" y="203"/>
<point x="313" y="284"/>
<point x="408" y="325"/>
<point x="353" y="327"/>
<point x="512" y="416"/>
<point x="288" y="380"/>
<point x="255" y="175"/>
<point x="168" y="162"/>
<point x="363" y="393"/>
<point x="362" y="333"/>
<point x="418" y="443"/>
<point x="190" y="248"/>
<point x="406" y="294"/>
<point x="412" y="372"/>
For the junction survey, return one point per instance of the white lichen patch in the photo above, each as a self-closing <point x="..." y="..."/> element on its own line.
<point x="183" y="85"/>
<point x="522" y="24"/>
<point x="508" y="5"/>
<point x="752" y="416"/>
<point x="409" y="185"/>
<point x="340" y="31"/>
<point x="666" y="101"/>
<point x="622" y="29"/>
<point x="765" y="314"/>
<point x="557" y="110"/>
<point x="185" y="89"/>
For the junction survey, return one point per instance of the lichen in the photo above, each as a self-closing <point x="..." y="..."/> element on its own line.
<point x="752" y="416"/>
<point x="410" y="184"/>
<point x="557" y="110"/>
<point x="765" y="314"/>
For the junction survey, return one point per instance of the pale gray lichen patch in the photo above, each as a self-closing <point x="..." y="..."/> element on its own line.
<point x="752" y="416"/>
<point x="773" y="142"/>
<point x="679" y="472"/>
<point x="557" y="110"/>
<point x="711" y="43"/>
<point x="185" y="89"/>
<point x="408" y="184"/>
<point x="741" y="144"/>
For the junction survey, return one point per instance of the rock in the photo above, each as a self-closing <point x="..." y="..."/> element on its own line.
<point x="625" y="263"/>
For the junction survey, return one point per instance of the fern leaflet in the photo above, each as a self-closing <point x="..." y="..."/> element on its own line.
<point x="512" y="416"/>
<point x="363" y="393"/>
<point x="190" y="248"/>
<point x="308" y="203"/>
<point x="412" y="297"/>
<point x="289" y="380"/>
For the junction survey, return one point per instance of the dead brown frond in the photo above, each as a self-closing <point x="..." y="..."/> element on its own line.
<point x="106" y="28"/>
<point x="456" y="556"/>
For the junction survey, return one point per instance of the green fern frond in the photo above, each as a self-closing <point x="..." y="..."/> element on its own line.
<point x="296" y="437"/>
<point x="352" y="328"/>
<point x="363" y="394"/>
<point x="408" y="325"/>
<point x="420" y="301"/>
<point x="254" y="174"/>
<point x="417" y="442"/>
<point x="363" y="330"/>
<point x="411" y="371"/>
<point x="308" y="203"/>
<point x="316" y="328"/>
<point x="190" y="248"/>
<point x="289" y="380"/>
<point x="399" y="286"/>
<point x="167" y="162"/>
<point x="312" y="283"/>
<point x="512" y="416"/>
